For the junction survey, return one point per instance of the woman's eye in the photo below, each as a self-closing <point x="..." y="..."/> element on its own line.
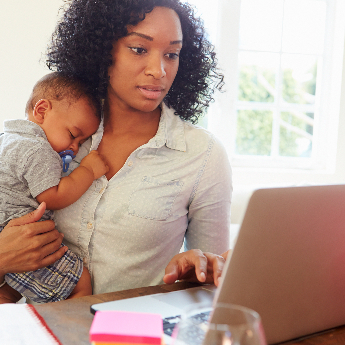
<point x="138" y="50"/>
<point x="173" y="56"/>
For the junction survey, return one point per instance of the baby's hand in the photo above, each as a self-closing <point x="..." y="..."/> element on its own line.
<point x="95" y="163"/>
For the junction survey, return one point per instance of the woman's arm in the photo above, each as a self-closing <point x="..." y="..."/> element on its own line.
<point x="209" y="209"/>
<point x="27" y="245"/>
<point x="73" y="186"/>
<point x="208" y="224"/>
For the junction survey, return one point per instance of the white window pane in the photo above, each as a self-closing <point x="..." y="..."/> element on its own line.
<point x="304" y="26"/>
<point x="261" y="24"/>
<point x="257" y="77"/>
<point x="299" y="75"/>
<point x="296" y="131"/>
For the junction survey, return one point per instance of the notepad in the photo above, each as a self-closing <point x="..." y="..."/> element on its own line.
<point x="22" y="324"/>
<point x="119" y="327"/>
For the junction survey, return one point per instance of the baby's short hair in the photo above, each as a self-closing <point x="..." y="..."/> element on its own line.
<point x="58" y="86"/>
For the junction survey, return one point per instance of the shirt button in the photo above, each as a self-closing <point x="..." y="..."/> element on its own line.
<point x="130" y="163"/>
<point x="89" y="225"/>
<point x="101" y="191"/>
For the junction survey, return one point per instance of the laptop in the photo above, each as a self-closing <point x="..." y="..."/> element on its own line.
<point x="288" y="264"/>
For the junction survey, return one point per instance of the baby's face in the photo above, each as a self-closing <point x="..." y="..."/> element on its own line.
<point x="68" y="125"/>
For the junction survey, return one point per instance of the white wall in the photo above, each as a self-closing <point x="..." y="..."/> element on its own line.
<point x="25" y="29"/>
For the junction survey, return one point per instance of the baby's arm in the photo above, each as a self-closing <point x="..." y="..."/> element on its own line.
<point x="73" y="186"/>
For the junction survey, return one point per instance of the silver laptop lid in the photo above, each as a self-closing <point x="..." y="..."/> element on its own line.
<point x="288" y="263"/>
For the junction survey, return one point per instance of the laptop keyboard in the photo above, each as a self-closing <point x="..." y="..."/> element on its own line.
<point x="170" y="322"/>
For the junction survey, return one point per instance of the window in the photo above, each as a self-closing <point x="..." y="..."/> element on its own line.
<point x="283" y="62"/>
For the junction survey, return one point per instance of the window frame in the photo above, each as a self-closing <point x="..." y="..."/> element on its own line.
<point x="222" y="122"/>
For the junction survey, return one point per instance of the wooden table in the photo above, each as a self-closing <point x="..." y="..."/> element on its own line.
<point x="70" y="320"/>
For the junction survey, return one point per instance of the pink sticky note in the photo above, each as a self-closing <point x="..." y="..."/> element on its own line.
<point x="126" y="327"/>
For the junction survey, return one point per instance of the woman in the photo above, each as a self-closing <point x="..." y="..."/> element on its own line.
<point x="169" y="181"/>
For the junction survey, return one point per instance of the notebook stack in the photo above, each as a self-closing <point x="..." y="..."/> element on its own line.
<point x="126" y="328"/>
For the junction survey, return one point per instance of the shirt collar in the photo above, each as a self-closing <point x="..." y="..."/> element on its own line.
<point x="170" y="132"/>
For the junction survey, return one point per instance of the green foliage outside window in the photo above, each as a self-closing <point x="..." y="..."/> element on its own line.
<point x="254" y="127"/>
<point x="254" y="132"/>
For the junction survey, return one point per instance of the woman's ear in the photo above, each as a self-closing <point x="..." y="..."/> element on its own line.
<point x="41" y="108"/>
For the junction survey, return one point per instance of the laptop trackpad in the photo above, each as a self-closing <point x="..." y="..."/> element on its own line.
<point x="181" y="299"/>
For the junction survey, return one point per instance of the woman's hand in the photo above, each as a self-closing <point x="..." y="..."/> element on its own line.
<point x="27" y="245"/>
<point x="195" y="266"/>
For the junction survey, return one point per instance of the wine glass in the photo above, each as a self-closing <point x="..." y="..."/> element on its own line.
<point x="223" y="324"/>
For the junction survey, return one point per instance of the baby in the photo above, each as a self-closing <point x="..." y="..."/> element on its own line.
<point x="61" y="115"/>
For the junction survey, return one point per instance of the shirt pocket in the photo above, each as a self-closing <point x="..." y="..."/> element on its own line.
<point x="153" y="198"/>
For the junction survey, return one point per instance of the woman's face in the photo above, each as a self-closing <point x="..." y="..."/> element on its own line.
<point x="145" y="62"/>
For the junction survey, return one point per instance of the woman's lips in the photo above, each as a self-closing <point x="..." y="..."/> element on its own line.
<point x="151" y="92"/>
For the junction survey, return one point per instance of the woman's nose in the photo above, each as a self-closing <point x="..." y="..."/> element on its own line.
<point x="156" y="67"/>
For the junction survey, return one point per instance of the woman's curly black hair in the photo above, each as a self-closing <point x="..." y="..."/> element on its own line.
<point x="83" y="39"/>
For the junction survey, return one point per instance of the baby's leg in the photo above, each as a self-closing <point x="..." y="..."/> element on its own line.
<point x="83" y="287"/>
<point x="9" y="295"/>
<point x="49" y="284"/>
